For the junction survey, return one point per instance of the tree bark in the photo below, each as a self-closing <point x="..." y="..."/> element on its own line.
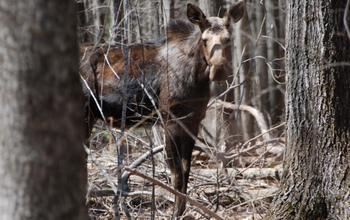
<point x="316" y="167"/>
<point x="42" y="161"/>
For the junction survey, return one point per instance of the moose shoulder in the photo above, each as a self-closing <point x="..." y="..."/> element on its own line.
<point x="172" y="76"/>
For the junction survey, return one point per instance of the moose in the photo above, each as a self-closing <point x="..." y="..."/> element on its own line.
<point x="171" y="77"/>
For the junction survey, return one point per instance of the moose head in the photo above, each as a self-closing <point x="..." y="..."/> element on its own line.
<point x="215" y="38"/>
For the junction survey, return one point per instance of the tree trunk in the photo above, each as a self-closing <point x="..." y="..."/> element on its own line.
<point x="261" y="70"/>
<point x="169" y="10"/>
<point x="117" y="15"/>
<point x="42" y="162"/>
<point x="316" y="169"/>
<point x="242" y="50"/>
<point x="212" y="8"/>
<point x="276" y="57"/>
<point x="84" y="35"/>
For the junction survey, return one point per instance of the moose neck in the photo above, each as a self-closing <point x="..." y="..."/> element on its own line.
<point x="183" y="59"/>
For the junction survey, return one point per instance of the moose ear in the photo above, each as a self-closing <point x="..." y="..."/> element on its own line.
<point x="196" y="16"/>
<point x="235" y="12"/>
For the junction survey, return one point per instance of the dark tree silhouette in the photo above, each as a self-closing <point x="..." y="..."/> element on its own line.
<point x="42" y="162"/>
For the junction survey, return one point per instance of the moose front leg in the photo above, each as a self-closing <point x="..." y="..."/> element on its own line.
<point x="90" y="121"/>
<point x="179" y="147"/>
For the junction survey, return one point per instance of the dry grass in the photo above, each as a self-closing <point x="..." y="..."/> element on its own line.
<point x="243" y="189"/>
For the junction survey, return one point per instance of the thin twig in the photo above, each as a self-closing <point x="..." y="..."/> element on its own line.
<point x="347" y="8"/>
<point x="104" y="171"/>
<point x="231" y="156"/>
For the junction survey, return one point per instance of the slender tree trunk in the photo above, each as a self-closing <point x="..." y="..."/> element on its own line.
<point x="96" y="14"/>
<point x="169" y="10"/>
<point x="156" y="20"/>
<point x="275" y="56"/>
<point x="42" y="162"/>
<point x="82" y="20"/>
<point x="242" y="51"/>
<point x="212" y="8"/>
<point x="317" y="173"/>
<point x="116" y="19"/>
<point x="261" y="70"/>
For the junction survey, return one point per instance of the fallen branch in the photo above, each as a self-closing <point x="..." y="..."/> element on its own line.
<point x="140" y="160"/>
<point x="178" y="194"/>
<point x="256" y="146"/>
<point x="244" y="173"/>
<point x="108" y="192"/>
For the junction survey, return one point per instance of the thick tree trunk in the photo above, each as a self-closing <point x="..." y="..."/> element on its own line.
<point x="316" y="169"/>
<point x="42" y="162"/>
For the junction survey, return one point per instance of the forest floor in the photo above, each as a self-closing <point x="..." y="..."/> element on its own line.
<point x="239" y="183"/>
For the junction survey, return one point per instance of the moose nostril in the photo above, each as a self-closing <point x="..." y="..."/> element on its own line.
<point x="217" y="61"/>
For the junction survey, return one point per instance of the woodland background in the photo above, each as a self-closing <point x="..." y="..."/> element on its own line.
<point x="236" y="169"/>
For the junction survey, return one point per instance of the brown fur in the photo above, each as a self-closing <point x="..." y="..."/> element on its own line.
<point x="175" y="74"/>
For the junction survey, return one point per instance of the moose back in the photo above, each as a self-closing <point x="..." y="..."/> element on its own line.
<point x="172" y="76"/>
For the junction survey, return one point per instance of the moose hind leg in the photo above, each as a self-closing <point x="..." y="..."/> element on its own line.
<point x="187" y="145"/>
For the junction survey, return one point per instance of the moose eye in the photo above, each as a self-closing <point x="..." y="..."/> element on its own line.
<point x="226" y="40"/>
<point x="204" y="42"/>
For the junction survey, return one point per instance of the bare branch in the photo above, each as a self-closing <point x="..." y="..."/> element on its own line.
<point x="140" y="160"/>
<point x="254" y="112"/>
